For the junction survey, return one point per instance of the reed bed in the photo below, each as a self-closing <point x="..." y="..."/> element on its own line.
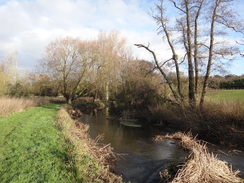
<point x="10" y="105"/>
<point x="231" y="108"/>
<point x="221" y="122"/>
<point x="202" y="166"/>
<point x="14" y="105"/>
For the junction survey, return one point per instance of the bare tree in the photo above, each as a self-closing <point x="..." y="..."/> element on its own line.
<point x="111" y="53"/>
<point x="10" y="66"/>
<point x="220" y="14"/>
<point x="198" y="10"/>
<point x="69" y="61"/>
<point x="198" y="23"/>
<point x="176" y="96"/>
<point x="8" y="71"/>
<point x="162" y="22"/>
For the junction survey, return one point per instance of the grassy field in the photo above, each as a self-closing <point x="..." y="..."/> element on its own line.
<point x="32" y="149"/>
<point x="222" y="95"/>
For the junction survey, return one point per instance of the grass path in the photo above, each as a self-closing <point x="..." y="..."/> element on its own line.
<point x="32" y="148"/>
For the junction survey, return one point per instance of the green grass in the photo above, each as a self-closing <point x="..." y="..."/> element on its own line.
<point x="32" y="149"/>
<point x="222" y="95"/>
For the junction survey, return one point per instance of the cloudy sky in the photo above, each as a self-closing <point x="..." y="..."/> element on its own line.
<point x="27" y="26"/>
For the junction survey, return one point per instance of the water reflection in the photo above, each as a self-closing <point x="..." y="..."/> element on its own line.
<point x="143" y="156"/>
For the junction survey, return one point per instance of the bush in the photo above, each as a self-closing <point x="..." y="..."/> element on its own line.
<point x="233" y="84"/>
<point x="17" y="90"/>
<point x="134" y="99"/>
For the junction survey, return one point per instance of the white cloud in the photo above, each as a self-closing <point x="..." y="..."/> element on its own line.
<point x="27" y="26"/>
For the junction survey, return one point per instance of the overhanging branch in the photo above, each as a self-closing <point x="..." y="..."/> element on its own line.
<point x="160" y="69"/>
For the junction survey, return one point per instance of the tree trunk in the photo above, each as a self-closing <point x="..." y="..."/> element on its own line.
<point x="161" y="20"/>
<point x="107" y="91"/>
<point x="192" y="99"/>
<point x="69" y="101"/>
<point x="175" y="58"/>
<point x="176" y="96"/>
<point x="67" y="98"/>
<point x="196" y="46"/>
<point x="205" y="83"/>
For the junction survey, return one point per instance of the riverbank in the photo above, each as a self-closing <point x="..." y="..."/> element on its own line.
<point x="218" y="123"/>
<point x="43" y="144"/>
<point x="91" y="163"/>
<point x="143" y="158"/>
<point x="201" y="166"/>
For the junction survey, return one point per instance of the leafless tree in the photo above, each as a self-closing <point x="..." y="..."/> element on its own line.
<point x="111" y="53"/>
<point x="68" y="61"/>
<point x="200" y="25"/>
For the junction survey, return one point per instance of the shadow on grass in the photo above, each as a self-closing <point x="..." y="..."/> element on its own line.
<point x="54" y="107"/>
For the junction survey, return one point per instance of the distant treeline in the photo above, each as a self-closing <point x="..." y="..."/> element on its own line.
<point x="235" y="84"/>
<point x="227" y="82"/>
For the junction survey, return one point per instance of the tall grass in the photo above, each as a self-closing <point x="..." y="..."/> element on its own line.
<point x="10" y="105"/>
<point x="233" y="110"/>
<point x="13" y="105"/>
<point x="224" y="121"/>
<point x="218" y="122"/>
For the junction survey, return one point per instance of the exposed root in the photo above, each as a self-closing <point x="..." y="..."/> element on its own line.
<point x="202" y="166"/>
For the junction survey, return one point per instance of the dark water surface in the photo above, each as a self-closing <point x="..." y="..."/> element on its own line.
<point x="142" y="158"/>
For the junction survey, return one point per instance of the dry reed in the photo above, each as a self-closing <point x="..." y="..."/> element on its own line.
<point x="97" y="168"/>
<point x="221" y="122"/>
<point x="202" y="166"/>
<point x="10" y="105"/>
<point x="232" y="108"/>
<point x="13" y="105"/>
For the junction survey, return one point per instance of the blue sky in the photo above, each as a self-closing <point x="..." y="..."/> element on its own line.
<point x="27" y="26"/>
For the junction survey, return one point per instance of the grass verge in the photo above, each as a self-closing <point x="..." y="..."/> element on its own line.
<point x="201" y="167"/>
<point x="32" y="149"/>
<point x="91" y="163"/>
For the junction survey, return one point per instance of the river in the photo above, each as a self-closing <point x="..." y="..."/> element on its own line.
<point x="141" y="157"/>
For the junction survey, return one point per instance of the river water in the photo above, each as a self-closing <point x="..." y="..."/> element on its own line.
<point x="141" y="157"/>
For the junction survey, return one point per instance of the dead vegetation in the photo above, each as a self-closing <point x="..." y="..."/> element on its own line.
<point x="11" y="105"/>
<point x="91" y="162"/>
<point x="219" y="123"/>
<point x="202" y="166"/>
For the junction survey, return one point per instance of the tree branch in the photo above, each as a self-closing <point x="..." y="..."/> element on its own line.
<point x="178" y="7"/>
<point x="160" y="69"/>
